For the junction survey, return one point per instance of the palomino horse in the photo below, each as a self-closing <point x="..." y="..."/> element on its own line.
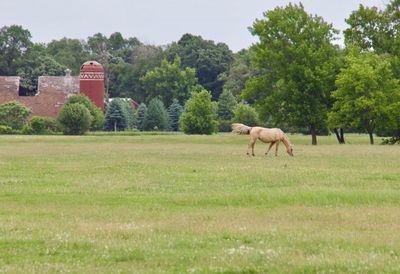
<point x="266" y="135"/>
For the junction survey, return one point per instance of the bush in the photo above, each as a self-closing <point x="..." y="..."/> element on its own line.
<point x="13" y="114"/>
<point x="97" y="115"/>
<point x="200" y="114"/>
<point x="6" y="130"/>
<point x="75" y="119"/>
<point x="245" y="114"/>
<point x="43" y="125"/>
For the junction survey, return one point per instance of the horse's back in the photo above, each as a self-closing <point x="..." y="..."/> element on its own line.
<point x="270" y="134"/>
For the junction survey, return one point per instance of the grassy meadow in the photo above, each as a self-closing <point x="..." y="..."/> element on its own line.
<point x="197" y="204"/>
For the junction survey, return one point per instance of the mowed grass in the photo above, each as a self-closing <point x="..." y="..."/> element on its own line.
<point x="197" y="204"/>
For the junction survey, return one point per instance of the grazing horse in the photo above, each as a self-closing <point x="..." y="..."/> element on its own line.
<point x="266" y="135"/>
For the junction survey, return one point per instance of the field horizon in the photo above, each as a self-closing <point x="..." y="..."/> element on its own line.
<point x="197" y="204"/>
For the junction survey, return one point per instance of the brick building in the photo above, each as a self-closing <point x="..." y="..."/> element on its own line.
<point x="53" y="92"/>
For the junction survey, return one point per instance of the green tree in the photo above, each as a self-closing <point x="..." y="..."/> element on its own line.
<point x="74" y="119"/>
<point x="97" y="116"/>
<point x="209" y="60"/>
<point x="14" y="42"/>
<point x="124" y="81"/>
<point x="175" y="111"/>
<point x="13" y="114"/>
<point x="366" y="90"/>
<point x="169" y="81"/>
<point x="372" y="29"/>
<point x="239" y="73"/>
<point x="140" y="114"/>
<point x="39" y="65"/>
<point x="245" y="114"/>
<point x="70" y="53"/>
<point x="226" y="104"/>
<point x="156" y="117"/>
<point x="200" y="114"/>
<point x="116" y="118"/>
<point x="298" y="65"/>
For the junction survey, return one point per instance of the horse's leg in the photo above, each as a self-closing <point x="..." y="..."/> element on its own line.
<point x="270" y="146"/>
<point x="276" y="147"/>
<point x="251" y="145"/>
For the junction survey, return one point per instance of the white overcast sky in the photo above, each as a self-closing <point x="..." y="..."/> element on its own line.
<point x="160" y="22"/>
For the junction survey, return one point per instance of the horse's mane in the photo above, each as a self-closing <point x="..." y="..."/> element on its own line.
<point x="240" y="128"/>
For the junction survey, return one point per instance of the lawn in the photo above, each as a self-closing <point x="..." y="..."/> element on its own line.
<point x="197" y="204"/>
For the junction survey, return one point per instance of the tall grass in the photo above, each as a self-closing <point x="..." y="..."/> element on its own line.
<point x="197" y="204"/>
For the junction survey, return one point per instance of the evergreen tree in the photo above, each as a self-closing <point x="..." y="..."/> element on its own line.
<point x="175" y="110"/>
<point x="226" y="105"/>
<point x="116" y="117"/>
<point x="156" y="117"/>
<point x="140" y="114"/>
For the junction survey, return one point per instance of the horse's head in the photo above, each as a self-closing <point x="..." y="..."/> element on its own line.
<point x="290" y="150"/>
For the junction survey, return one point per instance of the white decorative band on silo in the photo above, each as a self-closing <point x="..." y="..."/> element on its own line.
<point x="90" y="75"/>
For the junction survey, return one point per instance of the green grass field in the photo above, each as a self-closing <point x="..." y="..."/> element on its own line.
<point x="197" y="204"/>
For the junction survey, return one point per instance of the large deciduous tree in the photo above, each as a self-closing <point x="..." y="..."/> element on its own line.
<point x="170" y="81"/>
<point x="209" y="60"/>
<point x="298" y="66"/>
<point x="366" y="92"/>
<point x="14" y="42"/>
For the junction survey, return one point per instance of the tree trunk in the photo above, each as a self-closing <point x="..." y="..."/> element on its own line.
<point x="314" y="135"/>
<point x="115" y="126"/>
<point x="339" y="135"/>
<point x="371" y="137"/>
<point x="342" y="136"/>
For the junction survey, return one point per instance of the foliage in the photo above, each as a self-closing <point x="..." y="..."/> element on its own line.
<point x="131" y="122"/>
<point x="245" y="114"/>
<point x="141" y="113"/>
<point x="43" y="125"/>
<point x="38" y="65"/>
<point x="297" y="64"/>
<point x="116" y="118"/>
<point x="6" y="129"/>
<point x="209" y="60"/>
<point x="13" y="114"/>
<point x="169" y="81"/>
<point x="365" y="92"/>
<point x="239" y="73"/>
<point x="175" y="111"/>
<point x="226" y="105"/>
<point x="124" y="80"/>
<point x="97" y="115"/>
<point x="200" y="114"/>
<point x="75" y="119"/>
<point x="70" y="53"/>
<point x="14" y="42"/>
<point x="156" y="117"/>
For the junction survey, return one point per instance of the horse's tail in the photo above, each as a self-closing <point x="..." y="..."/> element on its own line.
<point x="240" y="128"/>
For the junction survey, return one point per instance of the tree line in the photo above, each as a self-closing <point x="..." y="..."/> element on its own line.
<point x="294" y="77"/>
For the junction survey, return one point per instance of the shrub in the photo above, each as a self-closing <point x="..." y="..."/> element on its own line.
<point x="14" y="114"/>
<point x="200" y="114"/>
<point x="245" y="114"/>
<point x="156" y="117"/>
<point x="43" y="125"/>
<point x="6" y="130"/>
<point x="97" y="115"/>
<point x="75" y="119"/>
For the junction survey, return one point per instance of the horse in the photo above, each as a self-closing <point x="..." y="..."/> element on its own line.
<point x="266" y="135"/>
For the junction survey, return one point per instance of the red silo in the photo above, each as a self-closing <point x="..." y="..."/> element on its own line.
<point x="92" y="82"/>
